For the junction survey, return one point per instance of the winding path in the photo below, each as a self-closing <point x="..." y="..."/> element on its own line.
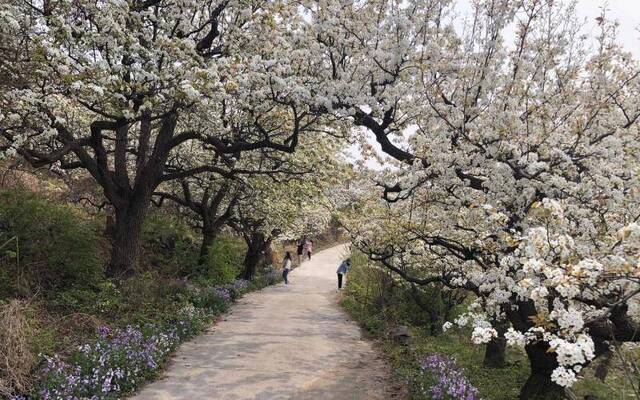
<point x="283" y="342"/>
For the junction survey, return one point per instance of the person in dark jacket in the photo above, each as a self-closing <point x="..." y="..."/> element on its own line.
<point x="343" y="268"/>
<point x="300" y="248"/>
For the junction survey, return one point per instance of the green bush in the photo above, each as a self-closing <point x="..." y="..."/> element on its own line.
<point x="149" y="297"/>
<point x="47" y="246"/>
<point x="371" y="322"/>
<point x="381" y="294"/>
<point x="224" y="261"/>
<point x="103" y="299"/>
<point x="170" y="244"/>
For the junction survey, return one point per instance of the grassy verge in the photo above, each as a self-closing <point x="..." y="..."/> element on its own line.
<point x="67" y="331"/>
<point x="116" y="358"/>
<point x="375" y="306"/>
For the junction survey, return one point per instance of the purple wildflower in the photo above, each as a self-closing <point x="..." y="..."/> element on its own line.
<point x="117" y="360"/>
<point x="104" y="331"/>
<point x="450" y="382"/>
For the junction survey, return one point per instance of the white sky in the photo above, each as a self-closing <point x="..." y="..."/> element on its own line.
<point x="627" y="12"/>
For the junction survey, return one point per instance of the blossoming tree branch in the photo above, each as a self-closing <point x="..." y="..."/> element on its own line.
<point x="516" y="173"/>
<point x="119" y="89"/>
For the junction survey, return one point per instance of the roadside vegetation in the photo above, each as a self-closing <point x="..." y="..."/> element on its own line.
<point x="69" y="331"/>
<point x="423" y="355"/>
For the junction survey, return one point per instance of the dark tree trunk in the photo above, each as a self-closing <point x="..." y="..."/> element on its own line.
<point x="125" y="240"/>
<point x="539" y="386"/>
<point x="208" y="237"/>
<point x="495" y="353"/>
<point x="251" y="261"/>
<point x="605" y="354"/>
<point x="256" y="247"/>
<point x="212" y="223"/>
<point x="435" y="320"/>
<point x="494" y="356"/>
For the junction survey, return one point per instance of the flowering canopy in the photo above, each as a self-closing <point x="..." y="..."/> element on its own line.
<point x="129" y="90"/>
<point x="516" y="172"/>
<point x="519" y="169"/>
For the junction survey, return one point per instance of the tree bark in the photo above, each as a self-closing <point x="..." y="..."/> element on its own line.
<point x="125" y="248"/>
<point x="208" y="238"/>
<point x="251" y="261"/>
<point x="539" y="385"/>
<point x="495" y="353"/>
<point x="605" y="354"/>
<point x="256" y="246"/>
<point x="212" y="223"/>
<point x="494" y="356"/>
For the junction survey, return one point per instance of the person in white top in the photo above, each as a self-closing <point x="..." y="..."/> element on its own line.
<point x="286" y="267"/>
<point x="308" y="247"/>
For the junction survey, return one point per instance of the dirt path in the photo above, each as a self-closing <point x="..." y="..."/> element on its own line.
<point x="284" y="342"/>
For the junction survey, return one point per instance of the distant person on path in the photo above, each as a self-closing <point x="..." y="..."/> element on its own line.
<point x="286" y="267"/>
<point x="308" y="248"/>
<point x="342" y="270"/>
<point x="300" y="248"/>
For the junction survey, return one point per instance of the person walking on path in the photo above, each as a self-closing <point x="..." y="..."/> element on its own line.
<point x="343" y="268"/>
<point x="286" y="267"/>
<point x="300" y="248"/>
<point x="308" y="248"/>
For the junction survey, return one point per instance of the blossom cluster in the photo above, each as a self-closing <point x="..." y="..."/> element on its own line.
<point x="449" y="381"/>
<point x="572" y="353"/>
<point x="474" y="317"/>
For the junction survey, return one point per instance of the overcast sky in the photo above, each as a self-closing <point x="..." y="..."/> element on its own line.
<point x="627" y="12"/>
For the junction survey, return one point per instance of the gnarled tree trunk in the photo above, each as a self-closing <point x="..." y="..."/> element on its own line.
<point x="257" y="244"/>
<point x="208" y="237"/>
<point x="539" y="385"/>
<point x="126" y="234"/>
<point x="251" y="261"/>
<point x="210" y="231"/>
<point x="495" y="353"/>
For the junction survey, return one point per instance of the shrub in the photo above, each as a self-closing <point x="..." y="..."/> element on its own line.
<point x="16" y="359"/>
<point x="102" y="299"/>
<point x="224" y="260"/>
<point x="394" y="301"/>
<point x="170" y="244"/>
<point x="149" y="297"/>
<point x="58" y="246"/>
